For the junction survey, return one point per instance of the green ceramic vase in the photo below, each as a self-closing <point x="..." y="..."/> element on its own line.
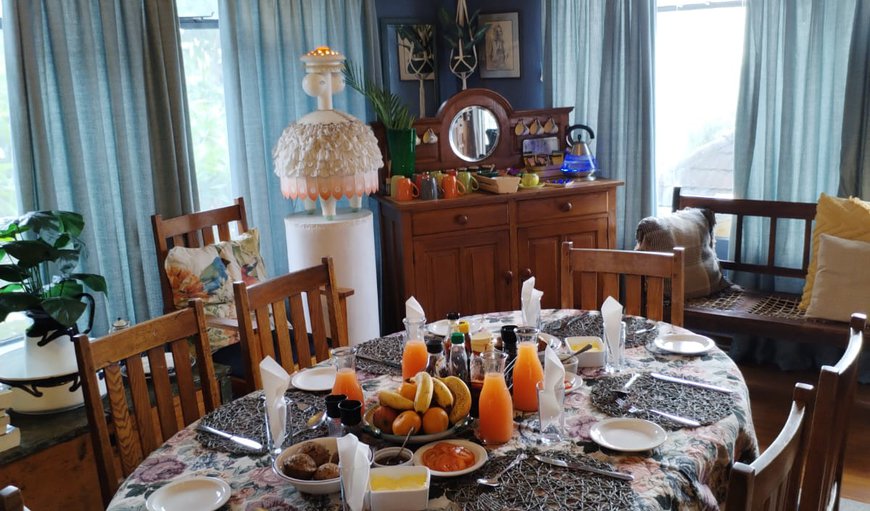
<point x="402" y="144"/>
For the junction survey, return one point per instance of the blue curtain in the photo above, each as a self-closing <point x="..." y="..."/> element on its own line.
<point x="99" y="126"/>
<point x="601" y="63"/>
<point x="262" y="41"/>
<point x="789" y="130"/>
<point x="855" y="152"/>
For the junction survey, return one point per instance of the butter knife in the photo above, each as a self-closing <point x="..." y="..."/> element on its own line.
<point x="244" y="442"/>
<point x="587" y="468"/>
<point x="691" y="383"/>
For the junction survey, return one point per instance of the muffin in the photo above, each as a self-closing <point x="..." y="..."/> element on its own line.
<point x="317" y="452"/>
<point x="326" y="471"/>
<point x="299" y="466"/>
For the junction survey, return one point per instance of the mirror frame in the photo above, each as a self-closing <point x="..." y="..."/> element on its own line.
<point x="452" y="139"/>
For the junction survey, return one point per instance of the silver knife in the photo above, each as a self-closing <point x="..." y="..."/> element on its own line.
<point x="244" y="442"/>
<point x="587" y="468"/>
<point x="691" y="383"/>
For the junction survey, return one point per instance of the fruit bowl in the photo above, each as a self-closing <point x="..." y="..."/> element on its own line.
<point x="456" y="429"/>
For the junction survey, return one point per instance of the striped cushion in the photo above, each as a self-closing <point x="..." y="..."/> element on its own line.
<point x="692" y="229"/>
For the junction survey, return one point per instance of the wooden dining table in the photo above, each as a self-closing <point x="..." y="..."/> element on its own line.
<point x="688" y="471"/>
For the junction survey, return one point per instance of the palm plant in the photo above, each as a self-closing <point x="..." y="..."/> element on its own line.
<point x="387" y="106"/>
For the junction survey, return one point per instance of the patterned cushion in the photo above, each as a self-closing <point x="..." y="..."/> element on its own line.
<point x="246" y="252"/>
<point x="206" y="273"/>
<point x="692" y="229"/>
<point x="844" y="218"/>
<point x="840" y="287"/>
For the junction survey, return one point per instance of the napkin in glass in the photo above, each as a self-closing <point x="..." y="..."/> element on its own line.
<point x="611" y="314"/>
<point x="553" y="394"/>
<point x="530" y="301"/>
<point x="354" y="460"/>
<point x="413" y="310"/>
<point x="275" y="384"/>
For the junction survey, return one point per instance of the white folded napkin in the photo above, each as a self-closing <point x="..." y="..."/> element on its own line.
<point x="554" y="385"/>
<point x="354" y="459"/>
<point x="413" y="310"/>
<point x="275" y="384"/>
<point x="530" y="301"/>
<point x="611" y="313"/>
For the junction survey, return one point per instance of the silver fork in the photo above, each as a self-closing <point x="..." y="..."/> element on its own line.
<point x="630" y="408"/>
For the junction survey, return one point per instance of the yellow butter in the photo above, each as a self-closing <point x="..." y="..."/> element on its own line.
<point x="408" y="482"/>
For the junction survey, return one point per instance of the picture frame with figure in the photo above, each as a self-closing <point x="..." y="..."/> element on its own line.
<point x="501" y="49"/>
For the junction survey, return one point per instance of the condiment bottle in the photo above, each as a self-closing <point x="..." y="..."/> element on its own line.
<point x="436" y="357"/>
<point x="528" y="370"/>
<point x="465" y="329"/>
<point x="334" y="427"/>
<point x="479" y="346"/>
<point x="346" y="381"/>
<point x="496" y="423"/>
<point x="509" y="347"/>
<point x="458" y="359"/>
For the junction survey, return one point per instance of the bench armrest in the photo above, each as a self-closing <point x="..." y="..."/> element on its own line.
<point x="223" y="323"/>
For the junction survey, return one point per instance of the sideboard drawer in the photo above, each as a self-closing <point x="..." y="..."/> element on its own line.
<point x="570" y="206"/>
<point x="455" y="219"/>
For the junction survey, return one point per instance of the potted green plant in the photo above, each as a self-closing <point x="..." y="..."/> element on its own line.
<point x="462" y="35"/>
<point x="398" y="121"/>
<point x="43" y="250"/>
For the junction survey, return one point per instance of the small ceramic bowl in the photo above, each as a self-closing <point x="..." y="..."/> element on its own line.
<point x="323" y="487"/>
<point x="411" y="499"/>
<point x="393" y="457"/>
<point x="592" y="358"/>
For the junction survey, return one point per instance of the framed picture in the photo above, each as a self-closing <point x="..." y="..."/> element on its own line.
<point x="397" y="77"/>
<point x="408" y="60"/>
<point x="501" y="55"/>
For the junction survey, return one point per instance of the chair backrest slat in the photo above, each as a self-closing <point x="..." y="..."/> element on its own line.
<point x="10" y="499"/>
<point x="277" y="294"/>
<point x="139" y="428"/>
<point x="642" y="274"/>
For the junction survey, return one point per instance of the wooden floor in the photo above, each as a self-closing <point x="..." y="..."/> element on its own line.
<point x="770" y="393"/>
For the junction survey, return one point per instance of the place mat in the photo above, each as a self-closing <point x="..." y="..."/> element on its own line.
<point x="535" y="485"/>
<point x="638" y="330"/>
<point x="705" y="406"/>
<point x="245" y="417"/>
<point x="383" y="350"/>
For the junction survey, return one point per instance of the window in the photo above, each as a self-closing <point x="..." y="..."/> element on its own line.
<point x="8" y="185"/>
<point x="699" y="51"/>
<point x="201" y="48"/>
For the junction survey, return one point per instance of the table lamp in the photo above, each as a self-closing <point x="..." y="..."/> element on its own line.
<point x="326" y="154"/>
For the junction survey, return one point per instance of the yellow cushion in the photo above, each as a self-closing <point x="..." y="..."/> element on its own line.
<point x="840" y="288"/>
<point x="844" y="218"/>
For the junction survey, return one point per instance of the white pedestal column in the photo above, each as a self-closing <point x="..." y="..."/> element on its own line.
<point x="350" y="240"/>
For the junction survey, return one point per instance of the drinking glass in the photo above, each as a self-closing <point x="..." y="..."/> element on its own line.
<point x="278" y="425"/>
<point x="614" y="352"/>
<point x="551" y="416"/>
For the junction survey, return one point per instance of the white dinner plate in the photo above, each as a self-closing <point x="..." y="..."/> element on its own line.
<point x="480" y="457"/>
<point x="627" y="435"/>
<point x="315" y="379"/>
<point x="440" y="327"/>
<point x="684" y="344"/>
<point x="573" y="384"/>
<point x="205" y="493"/>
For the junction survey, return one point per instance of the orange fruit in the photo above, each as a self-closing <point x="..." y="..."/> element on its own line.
<point x="405" y="421"/>
<point x="408" y="390"/>
<point x="435" y="420"/>
<point x="383" y="418"/>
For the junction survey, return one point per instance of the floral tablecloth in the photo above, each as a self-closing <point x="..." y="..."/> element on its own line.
<point x="689" y="471"/>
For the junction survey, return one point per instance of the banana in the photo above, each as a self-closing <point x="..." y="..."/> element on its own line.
<point x="443" y="396"/>
<point x="394" y="400"/>
<point x="424" y="392"/>
<point x="461" y="398"/>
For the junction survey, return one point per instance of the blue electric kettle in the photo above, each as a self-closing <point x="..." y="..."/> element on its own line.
<point x="579" y="160"/>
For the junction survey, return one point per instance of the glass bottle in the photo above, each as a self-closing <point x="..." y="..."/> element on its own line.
<point x="333" y="426"/>
<point x="452" y="326"/>
<point x="436" y="357"/>
<point x="528" y="370"/>
<point x="414" y="354"/>
<point x="509" y="347"/>
<point x="465" y="329"/>
<point x="475" y="371"/>
<point x="346" y="382"/>
<point x="496" y="423"/>
<point x="458" y="359"/>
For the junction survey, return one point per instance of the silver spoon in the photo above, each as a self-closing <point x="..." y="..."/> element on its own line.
<point x="313" y="422"/>
<point x="493" y="481"/>
<point x="582" y="350"/>
<point x="402" y="449"/>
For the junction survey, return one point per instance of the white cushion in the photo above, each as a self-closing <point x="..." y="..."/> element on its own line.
<point x="842" y="283"/>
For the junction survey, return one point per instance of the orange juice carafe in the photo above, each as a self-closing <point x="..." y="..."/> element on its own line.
<point x="527" y="370"/>
<point x="496" y="422"/>
<point x="345" y="377"/>
<point x="414" y="355"/>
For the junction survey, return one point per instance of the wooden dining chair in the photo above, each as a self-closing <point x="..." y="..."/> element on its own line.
<point x="641" y="276"/>
<point x="835" y="395"/>
<point x="267" y="303"/>
<point x="772" y="481"/>
<point x="153" y="416"/>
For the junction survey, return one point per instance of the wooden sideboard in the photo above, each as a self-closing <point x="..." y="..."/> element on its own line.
<point x="471" y="254"/>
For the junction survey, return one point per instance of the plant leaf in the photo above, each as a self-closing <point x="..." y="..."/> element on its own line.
<point x="12" y="273"/>
<point x="63" y="287"/>
<point x="37" y="221"/>
<point x="15" y="302"/>
<point x="11" y="288"/>
<point x="29" y="253"/>
<point x="62" y="241"/>
<point x="72" y="222"/>
<point x="93" y="281"/>
<point x="67" y="260"/>
<point x="63" y="309"/>
<point x="9" y="227"/>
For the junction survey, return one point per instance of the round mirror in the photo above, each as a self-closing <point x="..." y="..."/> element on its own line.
<point x="474" y="133"/>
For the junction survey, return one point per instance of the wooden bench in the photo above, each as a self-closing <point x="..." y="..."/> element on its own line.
<point x="738" y="310"/>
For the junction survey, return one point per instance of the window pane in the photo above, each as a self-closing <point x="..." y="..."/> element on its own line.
<point x="699" y="52"/>
<point x="205" y="95"/>
<point x="8" y="195"/>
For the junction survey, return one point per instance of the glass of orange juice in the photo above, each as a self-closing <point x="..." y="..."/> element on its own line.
<point x="346" y="382"/>
<point x="414" y="355"/>
<point x="496" y="422"/>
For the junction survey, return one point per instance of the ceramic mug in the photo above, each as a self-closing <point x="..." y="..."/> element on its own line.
<point x="428" y="188"/>
<point x="451" y="187"/>
<point x="468" y="181"/>
<point x="394" y="186"/>
<point x="406" y="190"/>
<point x="438" y="175"/>
<point x="418" y="179"/>
<point x="530" y="179"/>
